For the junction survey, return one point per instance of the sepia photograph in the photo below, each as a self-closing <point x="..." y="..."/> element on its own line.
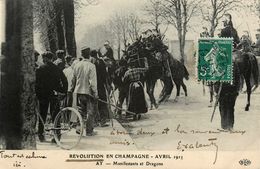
<point x="130" y="84"/>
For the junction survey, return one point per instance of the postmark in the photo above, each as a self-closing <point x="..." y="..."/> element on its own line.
<point x="214" y="59"/>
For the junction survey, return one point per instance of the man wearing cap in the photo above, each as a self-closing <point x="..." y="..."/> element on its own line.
<point x="49" y="80"/>
<point x="84" y="84"/>
<point x="109" y="60"/>
<point x="109" y="51"/>
<point x="60" y="61"/>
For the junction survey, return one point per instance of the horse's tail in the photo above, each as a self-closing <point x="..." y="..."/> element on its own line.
<point x="186" y="73"/>
<point x="255" y="70"/>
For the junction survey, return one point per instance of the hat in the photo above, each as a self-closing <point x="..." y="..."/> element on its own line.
<point x="60" y="52"/>
<point x="47" y="54"/>
<point x="68" y="58"/>
<point x="93" y="53"/>
<point x="106" y="42"/>
<point x="85" y="51"/>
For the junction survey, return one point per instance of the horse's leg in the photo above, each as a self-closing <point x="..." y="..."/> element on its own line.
<point x="248" y="89"/>
<point x="163" y="89"/>
<point x="152" y="92"/>
<point x="203" y="87"/>
<point x="162" y="94"/>
<point x="185" y="91"/>
<point x="211" y="92"/>
<point x="178" y="87"/>
<point x="121" y="97"/>
<point x="150" y="89"/>
<point x="169" y="91"/>
<point x="148" y="86"/>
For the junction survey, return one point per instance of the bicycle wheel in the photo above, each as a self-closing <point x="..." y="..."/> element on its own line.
<point x="68" y="128"/>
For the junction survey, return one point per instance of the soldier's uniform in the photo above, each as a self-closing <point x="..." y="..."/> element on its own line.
<point x="227" y="99"/>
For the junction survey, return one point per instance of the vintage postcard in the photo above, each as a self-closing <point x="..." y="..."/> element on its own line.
<point x="129" y="84"/>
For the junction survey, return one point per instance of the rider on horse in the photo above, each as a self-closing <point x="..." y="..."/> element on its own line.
<point x="229" y="31"/>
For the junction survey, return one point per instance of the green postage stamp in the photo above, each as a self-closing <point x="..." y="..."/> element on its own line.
<point x="214" y="62"/>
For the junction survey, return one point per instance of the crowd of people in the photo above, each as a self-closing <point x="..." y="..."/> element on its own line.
<point x="88" y="77"/>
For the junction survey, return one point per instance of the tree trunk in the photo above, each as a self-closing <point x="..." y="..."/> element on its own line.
<point x="69" y="27"/>
<point x="10" y="83"/>
<point x="212" y="28"/>
<point x="182" y="46"/>
<point x="119" y="48"/>
<point x="17" y="85"/>
<point x="59" y="25"/>
<point x="51" y="33"/>
<point x="27" y="74"/>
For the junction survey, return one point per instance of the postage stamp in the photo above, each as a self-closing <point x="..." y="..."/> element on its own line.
<point x="214" y="62"/>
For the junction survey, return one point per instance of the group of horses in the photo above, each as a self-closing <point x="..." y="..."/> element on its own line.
<point x="164" y="67"/>
<point x="159" y="61"/>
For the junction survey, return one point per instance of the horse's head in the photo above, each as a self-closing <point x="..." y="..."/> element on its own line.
<point x="133" y="50"/>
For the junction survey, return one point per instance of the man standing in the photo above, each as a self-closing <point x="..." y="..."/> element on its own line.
<point x="49" y="80"/>
<point x="122" y="86"/>
<point x="84" y="84"/>
<point x="101" y="83"/>
<point x="109" y="60"/>
<point x="60" y="61"/>
<point x="227" y="99"/>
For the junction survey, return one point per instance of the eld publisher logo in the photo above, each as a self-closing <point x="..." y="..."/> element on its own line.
<point x="245" y="162"/>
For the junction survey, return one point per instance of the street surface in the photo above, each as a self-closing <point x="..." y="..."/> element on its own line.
<point x="174" y="125"/>
<point x="172" y="122"/>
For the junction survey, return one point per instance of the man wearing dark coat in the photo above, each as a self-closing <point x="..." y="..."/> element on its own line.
<point x="50" y="80"/>
<point x="60" y="61"/>
<point x="229" y="92"/>
<point x="121" y="85"/>
<point x="109" y="60"/>
<point x="227" y="99"/>
<point x="229" y="31"/>
<point x="109" y="53"/>
<point x="101" y="82"/>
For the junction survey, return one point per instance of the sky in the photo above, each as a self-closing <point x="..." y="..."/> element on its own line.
<point x="92" y="15"/>
<point x="96" y="14"/>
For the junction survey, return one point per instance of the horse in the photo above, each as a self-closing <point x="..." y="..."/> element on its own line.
<point x="172" y="71"/>
<point x="159" y="63"/>
<point x="178" y="72"/>
<point x="246" y="62"/>
<point x="249" y="70"/>
<point x="136" y="53"/>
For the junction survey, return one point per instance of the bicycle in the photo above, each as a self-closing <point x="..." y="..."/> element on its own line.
<point x="67" y="127"/>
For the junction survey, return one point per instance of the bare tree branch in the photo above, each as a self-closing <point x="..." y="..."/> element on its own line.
<point x="213" y="12"/>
